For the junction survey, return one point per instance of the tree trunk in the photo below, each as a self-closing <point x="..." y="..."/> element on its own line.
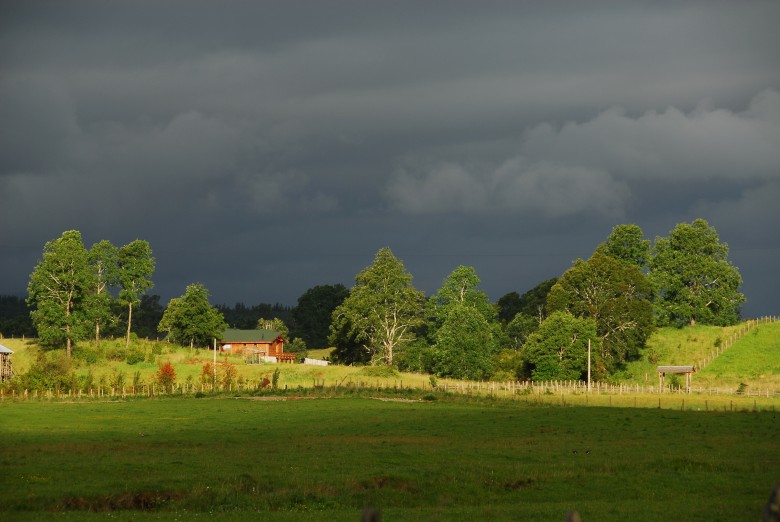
<point x="97" y="334"/>
<point x="68" y="342"/>
<point x="129" y="322"/>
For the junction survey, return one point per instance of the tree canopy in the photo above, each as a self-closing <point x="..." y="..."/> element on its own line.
<point x="558" y="350"/>
<point x="382" y="310"/>
<point x="463" y="327"/>
<point x="692" y="278"/>
<point x="626" y="243"/>
<point x="103" y="262"/>
<point x="136" y="266"/>
<point x="190" y="319"/>
<point x="314" y="312"/>
<point x="616" y="296"/>
<point x="58" y="286"/>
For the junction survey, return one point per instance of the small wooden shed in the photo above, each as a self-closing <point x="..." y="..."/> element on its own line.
<point x="6" y="369"/>
<point x="688" y="371"/>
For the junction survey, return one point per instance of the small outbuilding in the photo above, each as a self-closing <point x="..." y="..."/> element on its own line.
<point x="261" y="344"/>
<point x="6" y="369"/>
<point x="688" y="371"/>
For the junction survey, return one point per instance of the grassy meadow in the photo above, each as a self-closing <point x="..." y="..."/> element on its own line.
<point x="445" y="458"/>
<point x="341" y="438"/>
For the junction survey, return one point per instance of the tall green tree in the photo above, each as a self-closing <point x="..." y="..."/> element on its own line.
<point x="136" y="266"/>
<point x="616" y="296"/>
<point x="461" y="287"/>
<point x="58" y="288"/>
<point x="190" y="319"/>
<point x="692" y="278"/>
<point x="312" y="316"/>
<point x="558" y="350"/>
<point x="627" y="244"/>
<point x="103" y="262"/>
<point x="465" y="344"/>
<point x="463" y="326"/>
<point x="382" y="310"/>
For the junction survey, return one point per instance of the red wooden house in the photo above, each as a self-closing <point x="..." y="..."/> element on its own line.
<point x="262" y="343"/>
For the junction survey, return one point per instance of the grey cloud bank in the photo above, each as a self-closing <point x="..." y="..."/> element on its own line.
<point x="266" y="147"/>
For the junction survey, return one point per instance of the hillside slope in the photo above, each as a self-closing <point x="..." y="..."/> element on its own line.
<point x="754" y="358"/>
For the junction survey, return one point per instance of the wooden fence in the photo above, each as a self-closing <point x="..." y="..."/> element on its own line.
<point x="744" y="329"/>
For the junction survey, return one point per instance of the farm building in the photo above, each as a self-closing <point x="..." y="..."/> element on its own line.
<point x="259" y="343"/>
<point x="6" y="370"/>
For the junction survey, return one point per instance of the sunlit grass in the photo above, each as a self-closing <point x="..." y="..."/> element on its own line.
<point x="325" y="459"/>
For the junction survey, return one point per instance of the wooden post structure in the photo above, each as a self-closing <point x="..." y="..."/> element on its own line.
<point x="588" y="365"/>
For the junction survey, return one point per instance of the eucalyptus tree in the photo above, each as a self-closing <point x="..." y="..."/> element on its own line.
<point x="136" y="266"/>
<point x="103" y="263"/>
<point x="692" y="278"/>
<point x="58" y="288"/>
<point x="382" y="311"/>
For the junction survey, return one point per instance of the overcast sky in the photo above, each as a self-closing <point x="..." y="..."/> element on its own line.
<point x="263" y="148"/>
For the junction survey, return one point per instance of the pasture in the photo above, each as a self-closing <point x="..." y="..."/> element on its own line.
<point x="323" y="458"/>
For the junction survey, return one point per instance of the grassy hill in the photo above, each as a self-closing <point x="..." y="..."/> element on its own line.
<point x="753" y="358"/>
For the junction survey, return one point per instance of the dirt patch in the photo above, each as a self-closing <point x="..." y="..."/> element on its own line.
<point x="139" y="501"/>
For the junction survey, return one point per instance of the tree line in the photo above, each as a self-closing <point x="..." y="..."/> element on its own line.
<point x="613" y="300"/>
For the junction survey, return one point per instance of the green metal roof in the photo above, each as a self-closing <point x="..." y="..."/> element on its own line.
<point x="233" y="335"/>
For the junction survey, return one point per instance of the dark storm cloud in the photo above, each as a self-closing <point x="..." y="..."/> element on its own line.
<point x="266" y="147"/>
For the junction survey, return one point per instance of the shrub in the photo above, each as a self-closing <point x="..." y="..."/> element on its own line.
<point x="135" y="355"/>
<point x="229" y="373"/>
<point x="166" y="376"/>
<point x="118" y="380"/>
<point x="275" y="379"/>
<point x="116" y="353"/>
<point x="207" y="373"/>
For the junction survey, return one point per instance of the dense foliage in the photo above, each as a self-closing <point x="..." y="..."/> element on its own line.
<point x="616" y="296"/>
<point x="190" y="319"/>
<point x="692" y="278"/>
<point x="615" y="299"/>
<point x="383" y="309"/>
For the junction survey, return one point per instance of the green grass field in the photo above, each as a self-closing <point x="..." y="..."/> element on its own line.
<point x="324" y="459"/>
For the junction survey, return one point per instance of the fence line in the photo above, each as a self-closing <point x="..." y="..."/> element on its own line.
<point x="743" y="330"/>
<point x="505" y="388"/>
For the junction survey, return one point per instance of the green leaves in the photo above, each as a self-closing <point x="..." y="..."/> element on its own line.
<point x="190" y="319"/>
<point x="382" y="310"/>
<point x="615" y="296"/>
<point x="692" y="279"/>
<point x="558" y="350"/>
<point x="58" y="286"/>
